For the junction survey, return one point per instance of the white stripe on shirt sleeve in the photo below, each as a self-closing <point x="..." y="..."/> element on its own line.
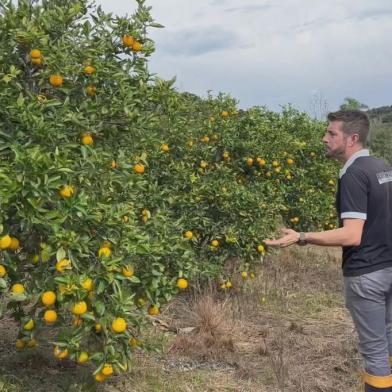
<point x="353" y="215"/>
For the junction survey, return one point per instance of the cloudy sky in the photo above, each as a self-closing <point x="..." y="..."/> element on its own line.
<point x="272" y="53"/>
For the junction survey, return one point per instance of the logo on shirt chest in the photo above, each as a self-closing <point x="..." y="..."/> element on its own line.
<point x="384" y="177"/>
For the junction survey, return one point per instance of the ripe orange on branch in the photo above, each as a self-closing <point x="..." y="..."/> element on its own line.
<point x="87" y="139"/>
<point x="5" y="242"/>
<point x="60" y="353"/>
<point x="137" y="46"/>
<point x="128" y="41"/>
<point x="3" y="271"/>
<point x="56" y="80"/>
<point x="14" y="244"/>
<point x="50" y="317"/>
<point x="119" y="325"/>
<point x="18" y="288"/>
<point x="188" y="234"/>
<point x="182" y="283"/>
<point x="79" y="308"/>
<point x="91" y="90"/>
<point x="153" y="310"/>
<point x="48" y="298"/>
<point x="66" y="191"/>
<point x="35" y="53"/>
<point x="63" y="264"/>
<point x="138" y="168"/>
<point x="89" y="69"/>
<point x="104" y="252"/>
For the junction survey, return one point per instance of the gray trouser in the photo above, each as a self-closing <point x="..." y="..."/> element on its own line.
<point x="369" y="300"/>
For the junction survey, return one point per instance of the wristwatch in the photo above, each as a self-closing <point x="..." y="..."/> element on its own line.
<point x="302" y="241"/>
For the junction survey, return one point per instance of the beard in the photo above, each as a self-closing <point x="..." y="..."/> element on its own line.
<point x="336" y="153"/>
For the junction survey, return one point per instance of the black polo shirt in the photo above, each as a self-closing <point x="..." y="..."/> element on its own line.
<point x="365" y="192"/>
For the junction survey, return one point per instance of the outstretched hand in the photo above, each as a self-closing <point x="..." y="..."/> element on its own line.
<point x="289" y="237"/>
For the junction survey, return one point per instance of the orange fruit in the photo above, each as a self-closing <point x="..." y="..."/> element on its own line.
<point x="260" y="249"/>
<point x="19" y="344"/>
<point x="3" y="271"/>
<point x="88" y="284"/>
<point x="244" y="275"/>
<point x="153" y="310"/>
<point x="66" y="191"/>
<point x="14" y="243"/>
<point x="203" y="164"/>
<point x="128" y="271"/>
<point x="107" y="369"/>
<point x="63" y="264"/>
<point x="36" y="61"/>
<point x="104" y="252"/>
<point x="32" y="343"/>
<point x="60" y="353"/>
<point x="138" y="168"/>
<point x="91" y="90"/>
<point x="188" y="234"/>
<point x="56" y="80"/>
<point x="128" y="41"/>
<point x="87" y="139"/>
<point x="249" y="162"/>
<point x="48" y="298"/>
<point x="290" y="161"/>
<point x="5" y="242"/>
<point x="214" y="243"/>
<point x="182" y="283"/>
<point x="83" y="357"/>
<point x="29" y="325"/>
<point x="50" y="317"/>
<point x="133" y="342"/>
<point x="137" y="46"/>
<point x="98" y="327"/>
<point x="100" y="377"/>
<point x="17" y="288"/>
<point x="89" y="69"/>
<point x="165" y="148"/>
<point x="225" y="114"/>
<point x="114" y="165"/>
<point x="79" y="308"/>
<point x="35" y="53"/>
<point x="119" y="325"/>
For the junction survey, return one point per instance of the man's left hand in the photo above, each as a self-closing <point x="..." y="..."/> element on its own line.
<point x="290" y="237"/>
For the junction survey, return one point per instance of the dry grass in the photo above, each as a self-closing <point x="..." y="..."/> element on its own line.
<point x="300" y="339"/>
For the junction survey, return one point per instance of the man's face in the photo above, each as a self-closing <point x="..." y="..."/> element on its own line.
<point x="335" y="141"/>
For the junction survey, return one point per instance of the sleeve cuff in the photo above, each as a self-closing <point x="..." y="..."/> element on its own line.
<point x="353" y="215"/>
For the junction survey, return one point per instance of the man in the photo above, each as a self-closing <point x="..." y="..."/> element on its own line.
<point x="364" y="207"/>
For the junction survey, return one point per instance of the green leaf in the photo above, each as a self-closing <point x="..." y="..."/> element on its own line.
<point x="60" y="254"/>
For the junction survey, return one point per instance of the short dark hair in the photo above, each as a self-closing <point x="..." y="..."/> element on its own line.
<point x="353" y="121"/>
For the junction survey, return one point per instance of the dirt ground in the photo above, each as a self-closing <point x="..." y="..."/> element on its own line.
<point x="285" y="330"/>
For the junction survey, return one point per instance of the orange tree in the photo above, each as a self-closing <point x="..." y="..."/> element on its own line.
<point x="117" y="190"/>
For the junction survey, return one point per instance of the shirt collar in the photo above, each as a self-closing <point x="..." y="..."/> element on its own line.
<point x="361" y="153"/>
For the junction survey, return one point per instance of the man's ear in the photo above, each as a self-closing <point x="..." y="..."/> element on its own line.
<point x="354" y="138"/>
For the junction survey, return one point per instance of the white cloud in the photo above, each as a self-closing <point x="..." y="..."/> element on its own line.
<point x="274" y="52"/>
